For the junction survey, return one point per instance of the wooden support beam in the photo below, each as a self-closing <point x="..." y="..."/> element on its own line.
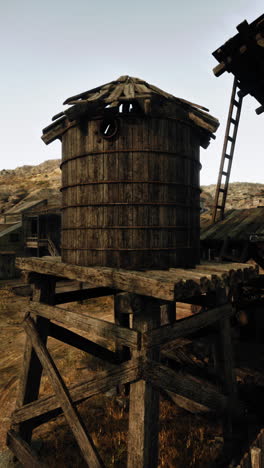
<point x="87" y="323"/>
<point x="46" y="408"/>
<point x="30" y="378"/>
<point x="79" y="342"/>
<point x="121" y="308"/>
<point x="226" y="361"/>
<point x="172" y="285"/>
<point x="187" y="404"/>
<point x="23" y="452"/>
<point x="167" y="313"/>
<point x="255" y="456"/>
<point x="164" y="378"/>
<point x="83" y="439"/>
<point x="186" y="326"/>
<point x="82" y="294"/>
<point x="144" y="399"/>
<point x="132" y="281"/>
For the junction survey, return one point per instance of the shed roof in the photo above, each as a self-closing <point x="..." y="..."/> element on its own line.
<point x="24" y="206"/>
<point x="147" y="98"/>
<point x="238" y="225"/>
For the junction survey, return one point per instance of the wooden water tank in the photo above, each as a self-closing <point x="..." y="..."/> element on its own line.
<point x="130" y="180"/>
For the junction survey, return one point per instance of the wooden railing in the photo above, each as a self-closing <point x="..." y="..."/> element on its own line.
<point x="35" y="242"/>
<point x="52" y="248"/>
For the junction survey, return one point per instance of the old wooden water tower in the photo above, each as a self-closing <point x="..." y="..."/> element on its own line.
<point x="130" y="176"/>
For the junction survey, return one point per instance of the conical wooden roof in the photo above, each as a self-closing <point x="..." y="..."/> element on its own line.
<point x="124" y="88"/>
<point x="145" y="97"/>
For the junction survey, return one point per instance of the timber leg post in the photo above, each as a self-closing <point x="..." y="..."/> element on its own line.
<point x="144" y="399"/>
<point x="225" y="364"/>
<point x="122" y="309"/>
<point x="28" y="391"/>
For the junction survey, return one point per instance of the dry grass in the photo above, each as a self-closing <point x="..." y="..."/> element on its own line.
<point x="185" y="440"/>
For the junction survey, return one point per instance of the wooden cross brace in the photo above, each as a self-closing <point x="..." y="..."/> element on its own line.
<point x="143" y="371"/>
<point x="83" y="439"/>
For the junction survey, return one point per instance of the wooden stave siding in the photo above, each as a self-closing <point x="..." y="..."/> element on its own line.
<point x="168" y="151"/>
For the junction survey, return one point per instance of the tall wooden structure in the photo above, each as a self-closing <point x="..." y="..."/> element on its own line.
<point x="149" y="297"/>
<point x="130" y="176"/>
<point x="243" y="56"/>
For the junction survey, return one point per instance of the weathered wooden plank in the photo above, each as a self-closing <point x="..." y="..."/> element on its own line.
<point x="47" y="407"/>
<point x="79" y="342"/>
<point x="83" y="439"/>
<point x="186" y="326"/>
<point x="82" y="294"/>
<point x="24" y="453"/>
<point x="165" y="378"/>
<point x="143" y="428"/>
<point x="87" y="323"/>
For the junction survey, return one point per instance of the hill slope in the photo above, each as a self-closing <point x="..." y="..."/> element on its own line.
<point x="30" y="183"/>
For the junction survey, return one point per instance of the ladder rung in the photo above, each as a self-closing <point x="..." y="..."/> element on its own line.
<point x="222" y="190"/>
<point x="230" y="139"/>
<point x="224" y="173"/>
<point x="227" y="156"/>
<point x="236" y="103"/>
<point x="234" y="121"/>
<point x="219" y="207"/>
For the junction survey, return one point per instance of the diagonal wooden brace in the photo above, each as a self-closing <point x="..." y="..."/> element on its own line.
<point x="186" y="326"/>
<point x="83" y="439"/>
<point x="22" y="450"/>
<point x="164" y="378"/>
<point x="46" y="408"/>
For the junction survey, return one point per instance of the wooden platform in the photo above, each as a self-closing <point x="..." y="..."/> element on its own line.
<point x="145" y="324"/>
<point x="174" y="284"/>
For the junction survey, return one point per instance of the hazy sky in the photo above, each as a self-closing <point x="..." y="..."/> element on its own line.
<point x="54" y="49"/>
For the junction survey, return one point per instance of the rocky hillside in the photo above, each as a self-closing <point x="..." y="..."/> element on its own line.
<point x="240" y="195"/>
<point x="30" y="183"/>
<point x="44" y="180"/>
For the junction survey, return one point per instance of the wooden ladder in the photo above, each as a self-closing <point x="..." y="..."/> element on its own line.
<point x="228" y="152"/>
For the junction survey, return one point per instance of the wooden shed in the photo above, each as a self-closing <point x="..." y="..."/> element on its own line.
<point x="238" y="237"/>
<point x="130" y="176"/>
<point x="243" y="56"/>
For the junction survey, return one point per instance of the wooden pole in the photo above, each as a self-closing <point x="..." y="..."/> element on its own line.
<point x="28" y="391"/>
<point x="121" y="312"/>
<point x="144" y="399"/>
